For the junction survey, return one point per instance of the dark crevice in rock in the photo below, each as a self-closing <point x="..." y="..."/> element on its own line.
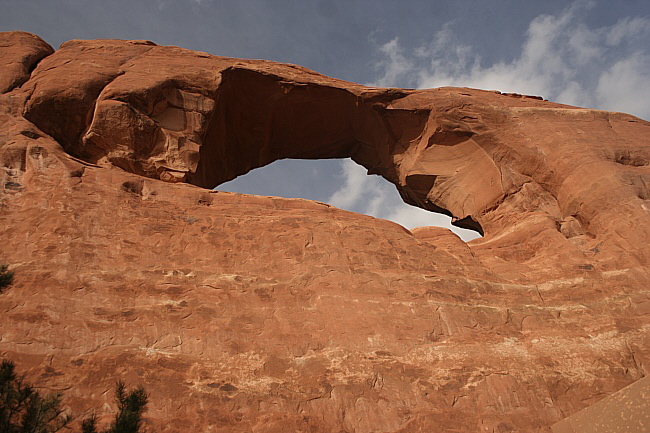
<point x="468" y="223"/>
<point x="30" y="134"/>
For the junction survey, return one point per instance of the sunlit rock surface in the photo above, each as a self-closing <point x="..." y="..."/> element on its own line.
<point x="244" y="313"/>
<point x="627" y="410"/>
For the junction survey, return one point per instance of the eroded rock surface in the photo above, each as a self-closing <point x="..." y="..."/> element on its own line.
<point x="21" y="52"/>
<point x="263" y="314"/>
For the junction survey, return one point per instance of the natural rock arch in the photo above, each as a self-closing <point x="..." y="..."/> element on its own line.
<point x="178" y="115"/>
<point x="249" y="118"/>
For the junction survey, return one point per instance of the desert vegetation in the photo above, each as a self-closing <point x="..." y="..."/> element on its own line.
<point x="6" y="277"/>
<point x="24" y="409"/>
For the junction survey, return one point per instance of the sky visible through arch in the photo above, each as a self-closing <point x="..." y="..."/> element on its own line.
<point x="590" y="53"/>
<point x="342" y="183"/>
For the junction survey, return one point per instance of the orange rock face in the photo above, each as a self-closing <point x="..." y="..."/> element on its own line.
<point x="245" y="313"/>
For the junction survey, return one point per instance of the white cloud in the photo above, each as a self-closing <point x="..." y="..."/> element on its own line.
<point x="372" y="195"/>
<point x="357" y="186"/>
<point x="394" y="64"/>
<point x="562" y="59"/>
<point x="625" y="86"/>
<point x="625" y="29"/>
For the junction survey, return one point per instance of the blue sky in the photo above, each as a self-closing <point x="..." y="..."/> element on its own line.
<point x="588" y="53"/>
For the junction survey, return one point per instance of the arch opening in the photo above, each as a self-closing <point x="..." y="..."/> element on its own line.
<point x="260" y="118"/>
<point x="341" y="183"/>
<point x="177" y="132"/>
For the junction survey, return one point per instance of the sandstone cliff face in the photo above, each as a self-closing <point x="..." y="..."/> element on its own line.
<point x="264" y="314"/>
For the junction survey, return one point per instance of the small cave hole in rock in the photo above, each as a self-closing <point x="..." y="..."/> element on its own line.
<point x="341" y="183"/>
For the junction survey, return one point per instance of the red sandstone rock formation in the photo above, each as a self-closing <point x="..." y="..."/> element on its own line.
<point x="626" y="410"/>
<point x="261" y="314"/>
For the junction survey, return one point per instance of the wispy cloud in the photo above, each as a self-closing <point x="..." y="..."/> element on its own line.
<point x="358" y="189"/>
<point x="374" y="196"/>
<point x="561" y="58"/>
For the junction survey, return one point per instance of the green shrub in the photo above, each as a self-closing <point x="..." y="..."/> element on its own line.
<point x="6" y="277"/>
<point x="130" y="405"/>
<point x="23" y="409"/>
